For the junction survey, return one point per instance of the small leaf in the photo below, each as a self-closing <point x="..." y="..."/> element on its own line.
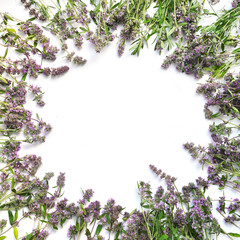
<point x="43" y="211"/>
<point x="16" y="216"/>
<point x="234" y="234"/>
<point x="24" y="77"/>
<point x="237" y="50"/>
<point x="35" y="43"/>
<point x="11" y="30"/>
<point x="49" y="215"/>
<point x="88" y="233"/>
<point x="7" y="17"/>
<point x="3" y="80"/>
<point x="77" y="226"/>
<point x="31" y="19"/>
<point x="115" y="5"/>
<point x="3" y="237"/>
<point x="12" y="183"/>
<point x="10" y="216"/>
<point x="29" y="236"/>
<point x="20" y="50"/>
<point x="163" y="237"/>
<point x="15" y="231"/>
<point x="83" y="29"/>
<point x="55" y="227"/>
<point x="207" y="12"/>
<point x="82" y="226"/>
<point x="235" y="109"/>
<point x="98" y="230"/>
<point x="59" y="3"/>
<point x="44" y="221"/>
<point x="6" y="52"/>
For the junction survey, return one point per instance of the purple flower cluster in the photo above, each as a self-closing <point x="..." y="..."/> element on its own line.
<point x="72" y="232"/>
<point x="110" y="215"/>
<point x="36" y="132"/>
<point x="38" y="235"/>
<point x="41" y="14"/>
<point x="30" y="66"/>
<point x="136" y="228"/>
<point x="16" y="95"/>
<point x="38" y="94"/>
<point x="223" y="95"/>
<point x="16" y="118"/>
<point x="10" y="150"/>
<point x="235" y="3"/>
<point x="29" y="163"/>
<point x="196" y="216"/>
<point x="49" y="53"/>
<point x="201" y="53"/>
<point x="62" y="212"/>
<point x="59" y="71"/>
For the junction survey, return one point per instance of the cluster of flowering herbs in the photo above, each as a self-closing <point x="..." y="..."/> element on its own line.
<point x="172" y="23"/>
<point x="20" y="188"/>
<point x="213" y="49"/>
<point x="169" y="214"/>
<point x="222" y="156"/>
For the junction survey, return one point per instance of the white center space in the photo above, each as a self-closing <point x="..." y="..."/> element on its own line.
<point x="115" y="116"/>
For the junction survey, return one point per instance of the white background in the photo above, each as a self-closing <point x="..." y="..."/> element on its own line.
<point x="115" y="116"/>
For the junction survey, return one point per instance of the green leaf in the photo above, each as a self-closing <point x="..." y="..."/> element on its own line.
<point x="8" y="17"/>
<point x="108" y="219"/>
<point x="59" y="3"/>
<point x="3" y="237"/>
<point x="83" y="29"/>
<point x="24" y="77"/>
<point x="24" y="193"/>
<point x="98" y="230"/>
<point x="215" y="115"/>
<point x="31" y="19"/>
<point x="3" y="80"/>
<point x="55" y="227"/>
<point x="19" y="50"/>
<point x="11" y="30"/>
<point x="16" y="216"/>
<point x="63" y="221"/>
<point x="15" y="231"/>
<point x="29" y="236"/>
<point x="171" y="31"/>
<point x="235" y="109"/>
<point x="35" y="43"/>
<point x="10" y="216"/>
<point x="234" y="234"/>
<point x="163" y="237"/>
<point x="114" y="6"/>
<point x="160" y="9"/>
<point x="207" y="12"/>
<point x="237" y="50"/>
<point x="14" y="190"/>
<point x="12" y="183"/>
<point x="77" y="226"/>
<point x="49" y="215"/>
<point x="43" y="211"/>
<point x="92" y="2"/>
<point x="6" y="52"/>
<point x="44" y="221"/>
<point x="88" y="233"/>
<point x="82" y="226"/>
